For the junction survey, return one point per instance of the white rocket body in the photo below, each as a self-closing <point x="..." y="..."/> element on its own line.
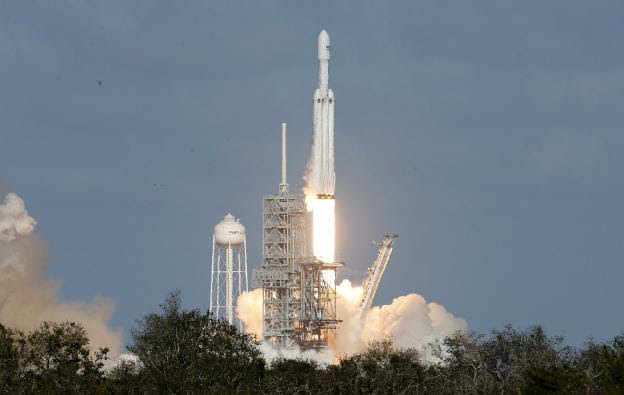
<point x="323" y="177"/>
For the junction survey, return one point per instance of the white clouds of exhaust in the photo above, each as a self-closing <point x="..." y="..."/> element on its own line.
<point x="409" y="321"/>
<point x="14" y="219"/>
<point x="249" y="310"/>
<point x="28" y="296"/>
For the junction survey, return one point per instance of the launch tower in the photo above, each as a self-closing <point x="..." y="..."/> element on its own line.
<point x="298" y="291"/>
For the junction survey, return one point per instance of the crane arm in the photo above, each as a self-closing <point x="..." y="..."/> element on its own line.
<point x="375" y="272"/>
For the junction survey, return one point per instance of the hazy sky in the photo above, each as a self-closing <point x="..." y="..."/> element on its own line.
<point x="487" y="134"/>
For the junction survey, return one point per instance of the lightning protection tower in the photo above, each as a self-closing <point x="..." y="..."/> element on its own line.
<point x="229" y="269"/>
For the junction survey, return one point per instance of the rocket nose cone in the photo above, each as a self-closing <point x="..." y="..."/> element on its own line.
<point x="323" y="46"/>
<point x="323" y="36"/>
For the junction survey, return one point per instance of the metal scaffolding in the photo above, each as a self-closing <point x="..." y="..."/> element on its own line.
<point x="283" y="246"/>
<point x="318" y="303"/>
<point x="299" y="292"/>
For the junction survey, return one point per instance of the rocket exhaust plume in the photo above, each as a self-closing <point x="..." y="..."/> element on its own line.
<point x="323" y="227"/>
<point x="28" y="296"/>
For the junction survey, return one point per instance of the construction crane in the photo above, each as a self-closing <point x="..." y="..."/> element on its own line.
<point x="375" y="272"/>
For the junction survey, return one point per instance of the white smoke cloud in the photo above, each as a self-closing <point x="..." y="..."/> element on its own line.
<point x="271" y="353"/>
<point x="409" y="321"/>
<point x="14" y="219"/>
<point x="28" y="296"/>
<point x="249" y="310"/>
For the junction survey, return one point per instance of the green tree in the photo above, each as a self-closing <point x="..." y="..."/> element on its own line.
<point x="126" y="378"/>
<point x="612" y="358"/>
<point x="184" y="351"/>
<point x="56" y="359"/>
<point x="9" y="359"/>
<point x="509" y="354"/>
<point x="508" y="361"/>
<point x="562" y="379"/>
<point x="461" y="366"/>
<point x="381" y="369"/>
<point x="294" y="376"/>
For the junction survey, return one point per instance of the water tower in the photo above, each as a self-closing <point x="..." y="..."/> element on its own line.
<point x="229" y="269"/>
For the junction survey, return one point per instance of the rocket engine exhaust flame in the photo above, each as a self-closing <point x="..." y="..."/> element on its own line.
<point x="323" y="227"/>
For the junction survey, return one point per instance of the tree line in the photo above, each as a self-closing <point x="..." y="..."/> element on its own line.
<point x="181" y="351"/>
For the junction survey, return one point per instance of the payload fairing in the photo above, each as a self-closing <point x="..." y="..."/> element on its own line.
<point x="321" y="177"/>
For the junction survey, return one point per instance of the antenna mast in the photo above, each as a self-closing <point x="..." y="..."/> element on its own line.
<point x="283" y="188"/>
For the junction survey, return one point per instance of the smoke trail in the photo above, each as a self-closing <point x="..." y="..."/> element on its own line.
<point x="28" y="296"/>
<point x="409" y="321"/>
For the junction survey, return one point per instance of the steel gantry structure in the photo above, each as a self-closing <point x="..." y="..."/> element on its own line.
<point x="298" y="291"/>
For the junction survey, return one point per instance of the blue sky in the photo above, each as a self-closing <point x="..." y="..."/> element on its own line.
<point x="488" y="135"/>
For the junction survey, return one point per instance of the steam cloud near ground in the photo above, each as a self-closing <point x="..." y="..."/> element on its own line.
<point x="409" y="321"/>
<point x="28" y="296"/>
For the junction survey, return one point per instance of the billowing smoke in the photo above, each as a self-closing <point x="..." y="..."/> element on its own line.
<point x="249" y="310"/>
<point x="14" y="219"/>
<point x="409" y="321"/>
<point x="28" y="296"/>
